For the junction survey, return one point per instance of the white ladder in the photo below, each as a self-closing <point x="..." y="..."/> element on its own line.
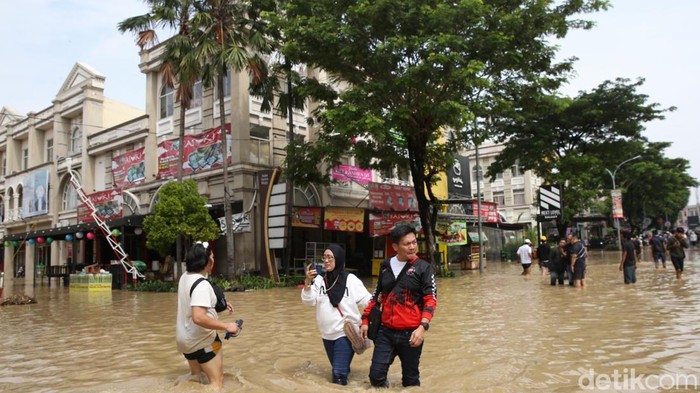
<point x="123" y="257"/>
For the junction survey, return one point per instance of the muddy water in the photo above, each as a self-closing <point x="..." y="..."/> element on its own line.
<point x="496" y="332"/>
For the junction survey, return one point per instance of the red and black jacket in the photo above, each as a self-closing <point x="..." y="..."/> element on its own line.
<point x="413" y="298"/>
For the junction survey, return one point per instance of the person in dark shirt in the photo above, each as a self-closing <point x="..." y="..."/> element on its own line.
<point x="676" y="244"/>
<point x="557" y="260"/>
<point x="578" y="256"/>
<point x="543" y="251"/>
<point x="658" y="249"/>
<point x="567" y="259"/>
<point x="628" y="262"/>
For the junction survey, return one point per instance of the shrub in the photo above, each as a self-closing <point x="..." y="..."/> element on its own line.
<point x="154" y="286"/>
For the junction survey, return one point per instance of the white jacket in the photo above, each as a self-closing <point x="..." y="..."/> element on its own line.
<point x="330" y="319"/>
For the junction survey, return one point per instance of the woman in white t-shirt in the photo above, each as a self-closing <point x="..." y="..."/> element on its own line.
<point x="197" y="320"/>
<point x="337" y="295"/>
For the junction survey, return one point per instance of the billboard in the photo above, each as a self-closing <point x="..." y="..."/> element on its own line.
<point x="129" y="169"/>
<point x="35" y="186"/>
<point x="201" y="152"/>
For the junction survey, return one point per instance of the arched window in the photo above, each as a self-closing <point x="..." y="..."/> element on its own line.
<point x="10" y="204"/>
<point x="70" y="196"/>
<point x="477" y="173"/>
<point x="18" y="195"/>
<point x="76" y="142"/>
<point x="306" y="196"/>
<point x="166" y="101"/>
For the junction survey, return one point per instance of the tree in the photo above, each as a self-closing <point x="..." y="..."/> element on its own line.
<point x="180" y="210"/>
<point x="228" y="37"/>
<point x="179" y="66"/>
<point x="571" y="141"/>
<point x="403" y="72"/>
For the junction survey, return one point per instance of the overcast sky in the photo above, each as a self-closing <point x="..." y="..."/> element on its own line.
<point x="652" y="39"/>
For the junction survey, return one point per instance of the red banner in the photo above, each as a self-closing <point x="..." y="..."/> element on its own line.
<point x="201" y="152"/>
<point x="489" y="211"/>
<point x="344" y="219"/>
<point x="392" y="197"/>
<point x="306" y="217"/>
<point x="348" y="173"/>
<point x="129" y="169"/>
<point x="108" y="205"/>
<point x="382" y="224"/>
<point x="617" y="211"/>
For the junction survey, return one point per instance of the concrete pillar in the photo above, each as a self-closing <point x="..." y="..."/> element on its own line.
<point x="29" y="278"/>
<point x="9" y="266"/>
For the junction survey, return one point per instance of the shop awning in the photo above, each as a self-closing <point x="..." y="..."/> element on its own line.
<point x="59" y="233"/>
<point x="475" y="237"/>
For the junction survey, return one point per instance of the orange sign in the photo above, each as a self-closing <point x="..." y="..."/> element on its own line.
<point x="346" y="220"/>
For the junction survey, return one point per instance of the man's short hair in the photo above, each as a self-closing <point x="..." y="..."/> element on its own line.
<point x="626" y="235"/>
<point x="400" y="230"/>
<point x="680" y="230"/>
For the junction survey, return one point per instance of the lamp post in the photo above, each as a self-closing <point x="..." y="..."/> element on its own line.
<point x="612" y="175"/>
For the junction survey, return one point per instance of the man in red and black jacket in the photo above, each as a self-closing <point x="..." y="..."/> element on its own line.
<point x="406" y="288"/>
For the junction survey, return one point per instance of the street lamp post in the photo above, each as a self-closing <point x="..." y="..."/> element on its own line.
<point x="612" y="175"/>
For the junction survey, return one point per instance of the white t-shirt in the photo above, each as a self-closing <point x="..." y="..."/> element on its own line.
<point x="525" y="253"/>
<point x="191" y="337"/>
<point x="330" y="320"/>
<point x="396" y="266"/>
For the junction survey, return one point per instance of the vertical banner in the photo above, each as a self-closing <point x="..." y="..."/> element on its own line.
<point x="617" y="204"/>
<point x="458" y="184"/>
<point x="550" y="202"/>
<point x="266" y="180"/>
<point x="129" y="169"/>
<point x="34" y="190"/>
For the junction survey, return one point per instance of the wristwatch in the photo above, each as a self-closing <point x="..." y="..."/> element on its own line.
<point x="425" y="325"/>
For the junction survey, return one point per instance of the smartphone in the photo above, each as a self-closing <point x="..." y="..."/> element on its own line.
<point x="319" y="269"/>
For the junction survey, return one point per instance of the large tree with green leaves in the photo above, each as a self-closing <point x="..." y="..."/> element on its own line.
<point x="572" y="141"/>
<point x="180" y="209"/>
<point x="402" y="72"/>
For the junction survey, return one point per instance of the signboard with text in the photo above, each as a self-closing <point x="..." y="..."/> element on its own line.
<point x="349" y="173"/>
<point x="108" y="205"/>
<point x="344" y="219"/>
<point x="129" y="169"/>
<point x="392" y="197"/>
<point x="382" y="224"/>
<point x="201" y="152"/>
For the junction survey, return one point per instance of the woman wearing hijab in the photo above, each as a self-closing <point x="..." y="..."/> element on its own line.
<point x="337" y="295"/>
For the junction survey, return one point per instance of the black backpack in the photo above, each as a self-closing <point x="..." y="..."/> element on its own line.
<point x="221" y="303"/>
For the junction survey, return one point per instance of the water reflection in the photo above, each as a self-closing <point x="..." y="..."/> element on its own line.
<point x="496" y="332"/>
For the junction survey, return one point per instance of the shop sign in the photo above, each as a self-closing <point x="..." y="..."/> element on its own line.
<point x="349" y="173"/>
<point x="108" y="205"/>
<point x="241" y="223"/>
<point x="201" y="152"/>
<point x="451" y="233"/>
<point x="306" y="217"/>
<point x="382" y="224"/>
<point x="392" y="197"/>
<point x="344" y="219"/>
<point x="489" y="211"/>
<point x="129" y="168"/>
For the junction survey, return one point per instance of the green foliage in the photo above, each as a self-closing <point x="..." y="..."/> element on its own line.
<point x="180" y="210"/>
<point x="510" y="249"/>
<point x="254" y="282"/>
<point x="223" y="282"/>
<point x="155" y="286"/>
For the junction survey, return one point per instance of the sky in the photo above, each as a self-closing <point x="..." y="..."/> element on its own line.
<point x="651" y="39"/>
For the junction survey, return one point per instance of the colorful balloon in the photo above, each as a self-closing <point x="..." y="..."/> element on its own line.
<point x="49" y="240"/>
<point x="31" y="241"/>
<point x="7" y="243"/>
<point x="79" y="235"/>
<point x="15" y="243"/>
<point x="116" y="232"/>
<point x="69" y="237"/>
<point x="90" y="235"/>
<point x="40" y="240"/>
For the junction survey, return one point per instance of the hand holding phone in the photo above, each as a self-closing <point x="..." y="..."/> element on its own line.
<point x="319" y="269"/>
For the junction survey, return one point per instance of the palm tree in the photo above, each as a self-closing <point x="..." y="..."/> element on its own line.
<point x="179" y="65"/>
<point x="228" y="36"/>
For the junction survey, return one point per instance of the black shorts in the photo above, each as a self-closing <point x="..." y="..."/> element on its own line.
<point x="205" y="354"/>
<point x="580" y="270"/>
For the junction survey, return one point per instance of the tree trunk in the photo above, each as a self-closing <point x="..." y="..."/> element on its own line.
<point x="417" y="165"/>
<point x="180" y="157"/>
<point x="228" y="217"/>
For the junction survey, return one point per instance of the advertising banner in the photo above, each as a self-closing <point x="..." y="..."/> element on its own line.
<point x="489" y="211"/>
<point x="344" y="219"/>
<point x="241" y="223"/>
<point x="392" y="197"/>
<point x="34" y="189"/>
<point x="382" y="224"/>
<point x="108" y="205"/>
<point x="451" y="233"/>
<point x="129" y="168"/>
<point x="201" y="152"/>
<point x="306" y="217"/>
<point x="349" y="173"/>
<point x="617" y="204"/>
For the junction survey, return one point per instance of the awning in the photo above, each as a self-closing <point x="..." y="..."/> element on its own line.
<point x="60" y="232"/>
<point x="475" y="237"/>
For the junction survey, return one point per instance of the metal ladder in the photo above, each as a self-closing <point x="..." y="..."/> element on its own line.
<point x="123" y="257"/>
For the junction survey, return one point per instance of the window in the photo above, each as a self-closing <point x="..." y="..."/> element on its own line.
<point x="227" y="86"/>
<point x="196" y="95"/>
<point x="10" y="204"/>
<point x="70" y="197"/>
<point x="260" y="145"/>
<point x="166" y="101"/>
<point x="76" y="142"/>
<point x="49" y="150"/>
<point x="499" y="176"/>
<point x="516" y="169"/>
<point x="499" y="197"/>
<point x="25" y="158"/>
<point x="477" y="173"/>
<point x="403" y="173"/>
<point x="3" y="169"/>
<point x="519" y="196"/>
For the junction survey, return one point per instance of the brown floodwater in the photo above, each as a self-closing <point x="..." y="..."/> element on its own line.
<point x="495" y="332"/>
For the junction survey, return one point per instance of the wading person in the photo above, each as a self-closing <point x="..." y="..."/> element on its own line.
<point x="543" y="251"/>
<point x="628" y="262"/>
<point x="557" y="260"/>
<point x="658" y="249"/>
<point x="525" y="256"/>
<point x="337" y="295"/>
<point x="197" y="320"/>
<point x="408" y="295"/>
<point x="578" y="257"/>
<point x="676" y="244"/>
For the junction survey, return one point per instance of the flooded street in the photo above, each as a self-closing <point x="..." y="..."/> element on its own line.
<point x="496" y="332"/>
